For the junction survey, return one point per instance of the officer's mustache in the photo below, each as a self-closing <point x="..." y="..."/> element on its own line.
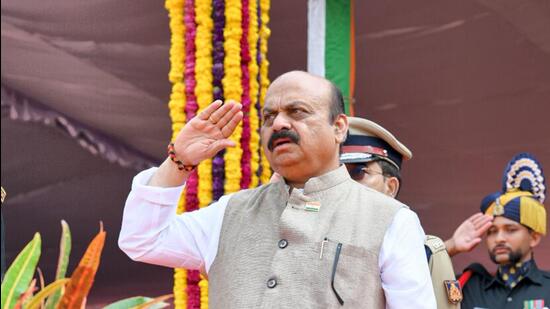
<point x="499" y="247"/>
<point x="293" y="136"/>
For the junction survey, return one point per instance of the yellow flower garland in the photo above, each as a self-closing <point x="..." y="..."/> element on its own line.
<point x="203" y="90"/>
<point x="177" y="114"/>
<point x="232" y="89"/>
<point x="180" y="284"/>
<point x="203" y="284"/>
<point x="177" y="59"/>
<point x="253" y="70"/>
<point x="264" y="79"/>
<point x="204" y="94"/>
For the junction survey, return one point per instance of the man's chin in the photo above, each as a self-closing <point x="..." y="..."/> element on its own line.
<point x="503" y="258"/>
<point x="290" y="170"/>
<point x="284" y="162"/>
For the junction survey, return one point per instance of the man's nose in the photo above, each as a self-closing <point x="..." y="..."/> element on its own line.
<point x="500" y="237"/>
<point x="281" y="122"/>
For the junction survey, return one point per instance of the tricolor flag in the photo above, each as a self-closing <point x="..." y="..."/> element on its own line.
<point x="331" y="44"/>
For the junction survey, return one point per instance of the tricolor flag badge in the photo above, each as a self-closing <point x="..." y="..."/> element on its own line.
<point x="313" y="206"/>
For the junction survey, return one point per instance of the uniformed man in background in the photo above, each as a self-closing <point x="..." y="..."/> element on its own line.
<point x="373" y="157"/>
<point x="518" y="227"/>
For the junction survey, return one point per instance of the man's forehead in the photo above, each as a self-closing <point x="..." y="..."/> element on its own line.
<point x="290" y="98"/>
<point x="500" y="221"/>
<point x="296" y="94"/>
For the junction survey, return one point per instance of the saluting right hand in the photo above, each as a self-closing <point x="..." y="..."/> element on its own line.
<point x="208" y="133"/>
<point x="468" y="235"/>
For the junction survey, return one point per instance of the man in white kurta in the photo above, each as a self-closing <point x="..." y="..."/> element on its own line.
<point x="316" y="240"/>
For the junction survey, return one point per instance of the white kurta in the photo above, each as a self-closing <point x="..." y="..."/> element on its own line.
<point x="152" y="232"/>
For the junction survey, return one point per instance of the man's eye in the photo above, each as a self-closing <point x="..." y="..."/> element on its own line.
<point x="298" y="111"/>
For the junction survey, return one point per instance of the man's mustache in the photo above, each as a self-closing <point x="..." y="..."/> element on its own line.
<point x="500" y="247"/>
<point x="293" y="136"/>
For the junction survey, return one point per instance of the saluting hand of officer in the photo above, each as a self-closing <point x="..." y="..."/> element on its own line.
<point x="468" y="234"/>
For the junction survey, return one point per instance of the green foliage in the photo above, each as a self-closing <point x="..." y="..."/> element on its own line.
<point x="18" y="284"/>
<point x="62" y="262"/>
<point x="21" y="272"/>
<point x="51" y="288"/>
<point x="134" y="302"/>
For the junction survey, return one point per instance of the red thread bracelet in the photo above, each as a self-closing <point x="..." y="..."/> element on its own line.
<point x="181" y="166"/>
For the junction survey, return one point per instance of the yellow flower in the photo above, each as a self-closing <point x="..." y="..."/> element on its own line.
<point x="203" y="284"/>
<point x="233" y="89"/>
<point x="253" y="70"/>
<point x="180" y="284"/>
<point x="203" y="89"/>
<point x="177" y="114"/>
<point x="264" y="79"/>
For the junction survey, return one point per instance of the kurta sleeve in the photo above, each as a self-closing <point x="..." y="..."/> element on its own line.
<point x="152" y="232"/>
<point x="403" y="266"/>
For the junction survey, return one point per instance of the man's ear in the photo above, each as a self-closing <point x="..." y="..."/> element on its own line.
<point x="341" y="128"/>
<point x="535" y="239"/>
<point x="392" y="185"/>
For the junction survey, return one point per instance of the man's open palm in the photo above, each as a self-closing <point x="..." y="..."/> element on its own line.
<point x="208" y="133"/>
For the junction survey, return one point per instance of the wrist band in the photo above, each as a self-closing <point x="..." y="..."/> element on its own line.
<point x="181" y="166"/>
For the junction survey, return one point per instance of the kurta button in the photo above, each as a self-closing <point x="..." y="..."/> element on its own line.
<point x="271" y="283"/>
<point x="283" y="243"/>
<point x="509" y="299"/>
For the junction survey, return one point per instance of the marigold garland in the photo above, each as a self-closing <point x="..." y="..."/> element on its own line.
<point x="177" y="113"/>
<point x="259" y="103"/>
<point x="218" y="49"/>
<point x="218" y="163"/>
<point x="177" y="56"/>
<point x="265" y="32"/>
<point x="203" y="91"/>
<point x="246" y="170"/>
<point x="203" y="284"/>
<point x="233" y="89"/>
<point x="253" y="71"/>
<point x="180" y="285"/>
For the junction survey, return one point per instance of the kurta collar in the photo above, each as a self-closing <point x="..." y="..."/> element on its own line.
<point x="327" y="181"/>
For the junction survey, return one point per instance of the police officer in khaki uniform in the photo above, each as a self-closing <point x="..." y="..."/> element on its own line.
<point x="374" y="157"/>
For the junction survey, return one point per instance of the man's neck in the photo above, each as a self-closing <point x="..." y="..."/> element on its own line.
<point x="300" y="184"/>
<point x="523" y="260"/>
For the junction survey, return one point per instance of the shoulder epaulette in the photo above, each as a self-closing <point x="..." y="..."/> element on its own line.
<point x="435" y="244"/>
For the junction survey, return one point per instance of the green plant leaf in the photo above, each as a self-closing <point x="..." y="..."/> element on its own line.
<point x="62" y="263"/>
<point x="133" y="302"/>
<point x="20" y="273"/>
<point x="153" y="302"/>
<point x="26" y="296"/>
<point x="45" y="292"/>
